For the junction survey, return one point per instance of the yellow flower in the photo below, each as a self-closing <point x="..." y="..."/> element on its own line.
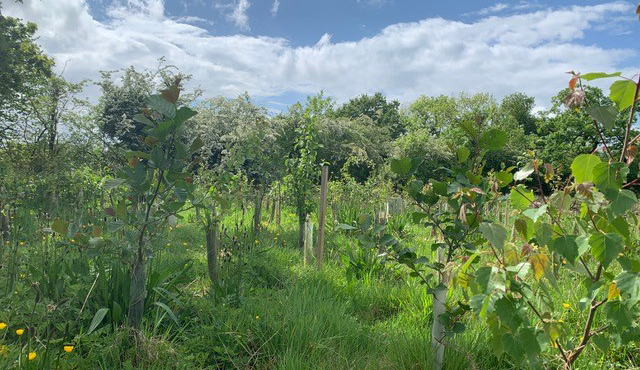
<point x="2" y="325"/>
<point x="32" y="356"/>
<point x="68" y="349"/>
<point x="566" y="305"/>
<point x="257" y="317"/>
<point x="20" y="331"/>
<point x="21" y="243"/>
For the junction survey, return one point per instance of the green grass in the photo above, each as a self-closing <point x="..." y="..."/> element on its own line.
<point x="272" y="312"/>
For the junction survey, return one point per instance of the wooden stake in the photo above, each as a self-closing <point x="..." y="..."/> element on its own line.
<point x="321" y="214"/>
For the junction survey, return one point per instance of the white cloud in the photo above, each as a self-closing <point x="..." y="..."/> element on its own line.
<point x="493" y="9"/>
<point x="239" y="15"/>
<point x="374" y="3"/>
<point x="525" y="52"/>
<point x="275" y="7"/>
<point x="501" y="7"/>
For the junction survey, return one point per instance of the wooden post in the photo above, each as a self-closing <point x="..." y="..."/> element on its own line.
<point x="322" y="213"/>
<point x="308" y="240"/>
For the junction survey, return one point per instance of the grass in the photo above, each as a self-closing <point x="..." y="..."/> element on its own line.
<point x="272" y="312"/>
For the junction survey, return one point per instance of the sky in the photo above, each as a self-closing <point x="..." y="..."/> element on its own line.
<point x="280" y="51"/>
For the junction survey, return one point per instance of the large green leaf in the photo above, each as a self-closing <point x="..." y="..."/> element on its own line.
<point x="161" y="105"/>
<point x="567" y="247"/>
<point x="609" y="175"/>
<point x="622" y="93"/>
<point x="493" y="139"/>
<point x="521" y="197"/>
<point x="605" y="247"/>
<point x="494" y="233"/>
<point x="596" y="75"/>
<point x="628" y="284"/>
<point x="401" y="166"/>
<point x="535" y="213"/>
<point x="582" y="167"/>
<point x="543" y="233"/>
<point x="605" y="115"/>
<point x="490" y="279"/>
<point x="621" y="201"/>
<point x="618" y="314"/>
<point x="97" y="319"/>
<point x="524" y="172"/>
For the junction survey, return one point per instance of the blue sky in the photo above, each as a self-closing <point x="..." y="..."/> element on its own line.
<point x="281" y="50"/>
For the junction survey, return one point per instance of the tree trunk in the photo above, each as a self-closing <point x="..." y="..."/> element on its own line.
<point x="138" y="292"/>
<point x="301" y="221"/>
<point x="257" y="211"/>
<point x="439" y="308"/>
<point x="213" y="244"/>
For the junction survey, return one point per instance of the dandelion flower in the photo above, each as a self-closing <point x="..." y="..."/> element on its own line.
<point x="68" y="349"/>
<point x="32" y="356"/>
<point x="3" y="325"/>
<point x="257" y="317"/>
<point x="20" y="331"/>
<point x="566" y="305"/>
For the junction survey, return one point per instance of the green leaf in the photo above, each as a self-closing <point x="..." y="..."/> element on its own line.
<point x="582" y="167"/>
<point x="60" y="227"/>
<point x="463" y="154"/>
<point x="618" y="314"/>
<point x="161" y="105"/>
<point x="494" y="233"/>
<point x="543" y="233"/>
<point x="493" y="139"/>
<point x="567" y="247"/>
<point x="490" y="279"/>
<point x="183" y="114"/>
<point x="629" y="286"/>
<point x="601" y="342"/>
<point x="401" y="166"/>
<point x="113" y="183"/>
<point x="97" y="319"/>
<point x="596" y="75"/>
<point x="196" y="144"/>
<point x="520" y="197"/>
<point x="508" y="313"/>
<point x="621" y="201"/>
<point x="610" y="175"/>
<point x="535" y="213"/>
<point x="524" y="172"/>
<point x="622" y="93"/>
<point x="605" y="115"/>
<point x="504" y="178"/>
<point x="168" y="311"/>
<point x="605" y="247"/>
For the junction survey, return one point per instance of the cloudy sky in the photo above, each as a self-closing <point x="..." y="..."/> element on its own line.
<point x="281" y="50"/>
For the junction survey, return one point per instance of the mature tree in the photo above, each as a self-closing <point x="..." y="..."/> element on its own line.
<point x="23" y="66"/>
<point x="120" y="101"/>
<point x="520" y="106"/>
<point x="563" y="133"/>
<point x="383" y="114"/>
<point x="238" y="136"/>
<point x="434" y="113"/>
<point x="438" y="126"/>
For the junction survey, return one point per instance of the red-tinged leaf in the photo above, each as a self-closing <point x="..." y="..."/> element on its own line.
<point x="171" y="94"/>
<point x="572" y="82"/>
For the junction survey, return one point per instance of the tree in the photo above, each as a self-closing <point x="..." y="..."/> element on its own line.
<point x="23" y="66"/>
<point x="301" y="160"/>
<point x="120" y="102"/>
<point x="383" y="114"/>
<point x="520" y="107"/>
<point x="563" y="133"/>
